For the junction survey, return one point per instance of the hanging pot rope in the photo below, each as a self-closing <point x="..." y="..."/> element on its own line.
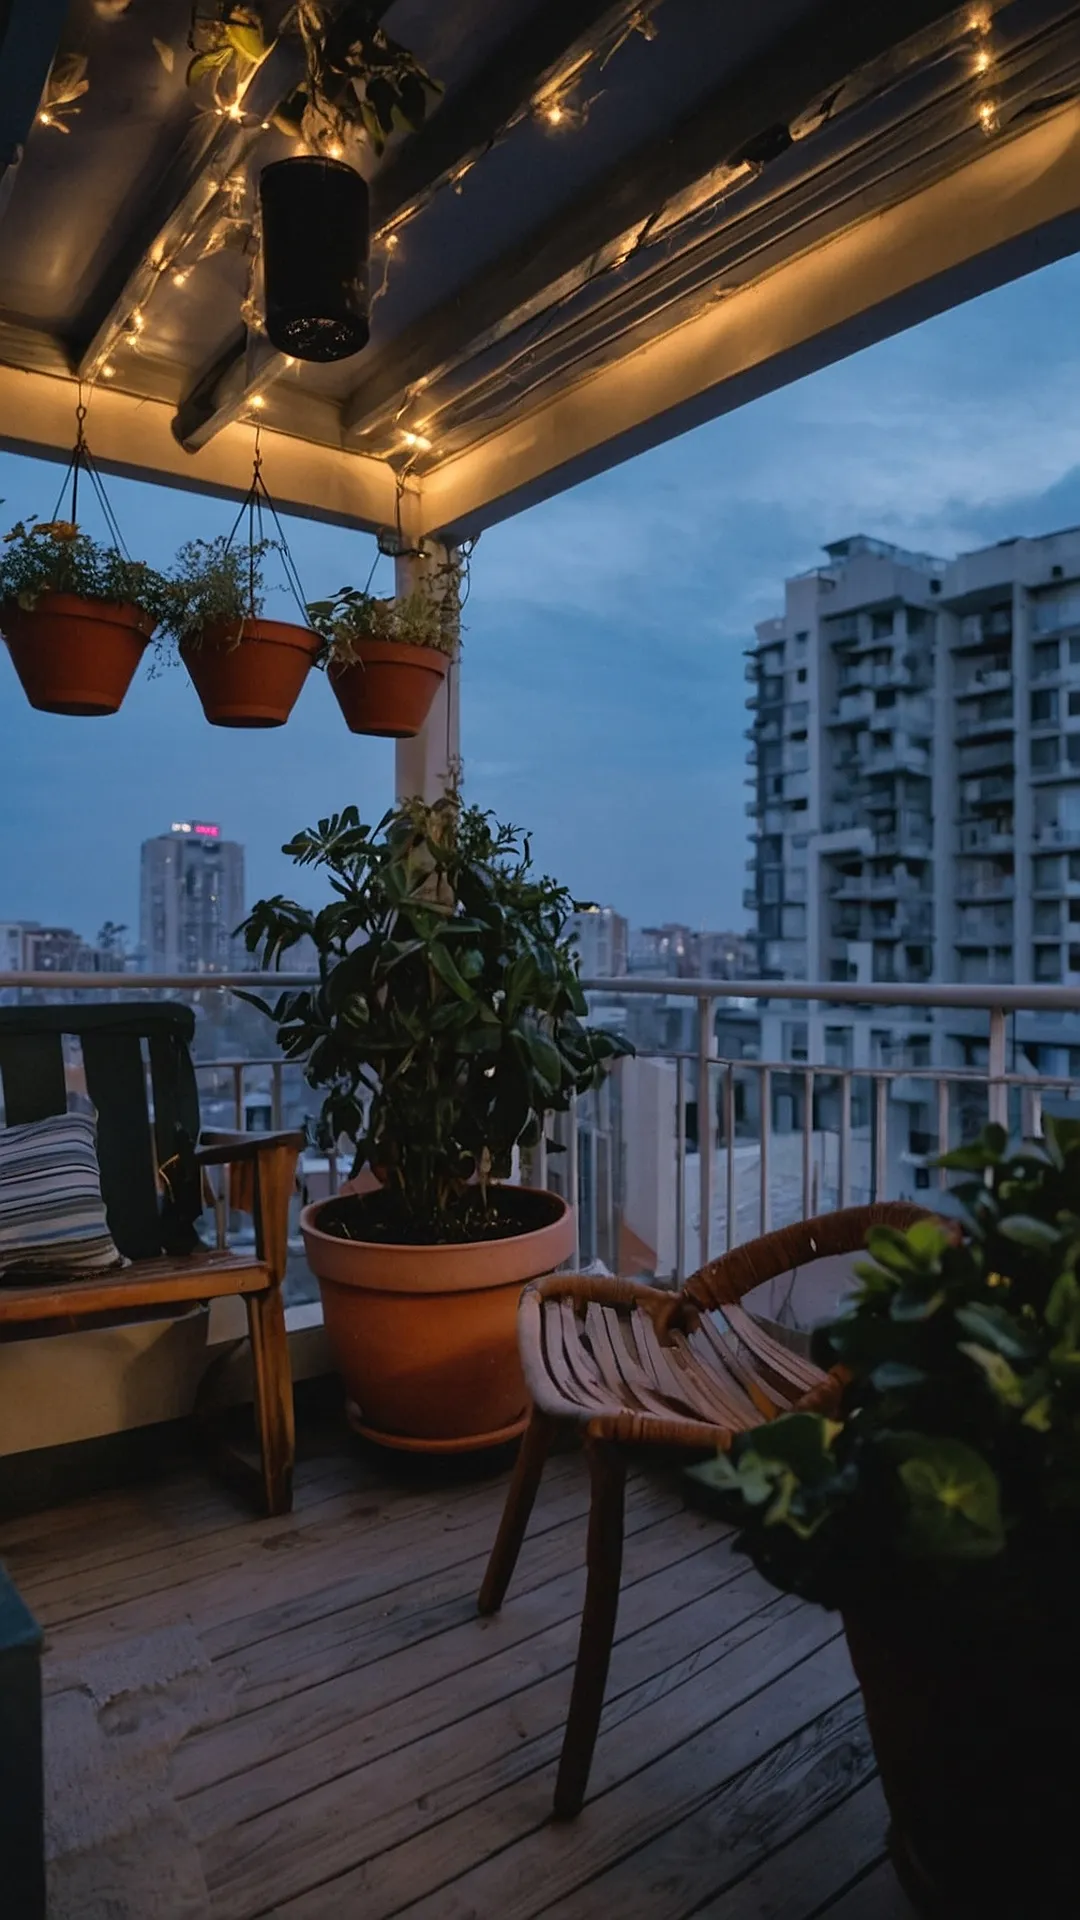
<point x="253" y="503"/>
<point x="81" y="462"/>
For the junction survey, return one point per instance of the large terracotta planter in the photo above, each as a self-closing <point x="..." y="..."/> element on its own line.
<point x="389" y="688"/>
<point x="426" y="1337"/>
<point x="974" y="1727"/>
<point x="249" y="673"/>
<point x="73" y="655"/>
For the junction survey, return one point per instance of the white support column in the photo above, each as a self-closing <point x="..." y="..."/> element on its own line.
<point x="426" y="765"/>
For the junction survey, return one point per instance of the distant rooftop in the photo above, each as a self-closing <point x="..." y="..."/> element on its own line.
<point x="858" y="543"/>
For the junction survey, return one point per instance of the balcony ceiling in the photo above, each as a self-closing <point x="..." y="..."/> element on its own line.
<point x="728" y="197"/>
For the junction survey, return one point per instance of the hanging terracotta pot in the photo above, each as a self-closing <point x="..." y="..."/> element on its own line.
<point x="248" y="673"/>
<point x="389" y="688"/>
<point x="73" y="655"/>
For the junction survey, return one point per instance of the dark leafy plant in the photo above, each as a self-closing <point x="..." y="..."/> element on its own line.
<point x="957" y="1459"/>
<point x="358" y="79"/>
<point x="448" y="1019"/>
<point x="228" y="42"/>
<point x="53" y="556"/>
<point x="213" y="581"/>
<point x="414" y="620"/>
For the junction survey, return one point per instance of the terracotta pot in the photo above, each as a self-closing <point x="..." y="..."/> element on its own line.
<point x="390" y="688"/>
<point x="426" y="1337"/>
<point x="73" y="655"/>
<point x="248" y="673"/>
<point x="974" y="1730"/>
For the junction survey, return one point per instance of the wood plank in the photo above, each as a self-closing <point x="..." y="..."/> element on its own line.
<point x="794" y="1882"/>
<point x="878" y="1896"/>
<point x="511" y="1739"/>
<point x="706" y="1855"/>
<point x="319" y="1727"/>
<point x="149" y="1283"/>
<point x="503" y="1856"/>
<point x="218" y="1586"/>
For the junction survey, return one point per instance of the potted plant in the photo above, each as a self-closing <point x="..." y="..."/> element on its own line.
<point x="940" y="1512"/>
<point x="247" y="671"/>
<point x="76" y="616"/>
<point x="448" y="1020"/>
<point x="385" y="659"/>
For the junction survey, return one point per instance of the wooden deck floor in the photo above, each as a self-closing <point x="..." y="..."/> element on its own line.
<point x="306" y="1718"/>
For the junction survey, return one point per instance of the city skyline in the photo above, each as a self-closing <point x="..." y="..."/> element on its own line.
<point x="602" y="691"/>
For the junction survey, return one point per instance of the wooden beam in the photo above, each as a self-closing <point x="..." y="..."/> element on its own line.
<point x="817" y="55"/>
<point x="1013" y="208"/>
<point x="457" y="134"/>
<point x="132" y="436"/>
<point x="29" y="33"/>
<point x="181" y="200"/>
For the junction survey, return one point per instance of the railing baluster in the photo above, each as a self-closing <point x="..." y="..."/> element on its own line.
<point x="1035" y="1114"/>
<point x="277" y="1102"/>
<point x="997" y="1090"/>
<point x="729" y="1135"/>
<point x="572" y="1179"/>
<point x="238" y="1094"/>
<point x="844" y="1169"/>
<point x="880" y="1174"/>
<point x="764" y="1208"/>
<point x="680" y="1169"/>
<point x="704" y="1127"/>
<point x="807" y="1142"/>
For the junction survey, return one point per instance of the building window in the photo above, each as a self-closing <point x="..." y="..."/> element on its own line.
<point x="1074" y="650"/>
<point x="1044" y="753"/>
<point x="1044" y="707"/>
<point x="1045" y="658"/>
<point x="1047" y="963"/>
<point x="800" y="675"/>
<point x="1072" y="749"/>
<point x="1074" y="959"/>
<point x="1074" y="701"/>
<point x="881" y="625"/>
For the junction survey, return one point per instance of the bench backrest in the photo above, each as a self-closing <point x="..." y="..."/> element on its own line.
<point x="147" y="1215"/>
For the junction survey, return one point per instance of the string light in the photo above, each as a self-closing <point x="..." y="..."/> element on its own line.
<point x="108" y="371"/>
<point x="257" y="401"/>
<point x="335" y="150"/>
<point x="390" y="242"/>
<point x="979" y="20"/>
<point x="45" y="119"/>
<point x="234" y="110"/>
<point x="988" y="116"/>
<point x="418" y="440"/>
<point x="180" y="277"/>
<point x="138" y="319"/>
<point x="983" y="60"/>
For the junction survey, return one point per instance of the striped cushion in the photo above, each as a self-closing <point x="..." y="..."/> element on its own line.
<point x="52" y="1215"/>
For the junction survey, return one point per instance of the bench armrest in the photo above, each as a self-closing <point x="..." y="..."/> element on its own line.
<point x="268" y="1161"/>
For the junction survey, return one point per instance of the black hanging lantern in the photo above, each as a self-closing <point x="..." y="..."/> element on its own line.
<point x="315" y="252"/>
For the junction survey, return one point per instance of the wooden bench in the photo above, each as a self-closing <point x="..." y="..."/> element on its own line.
<point x="152" y="1159"/>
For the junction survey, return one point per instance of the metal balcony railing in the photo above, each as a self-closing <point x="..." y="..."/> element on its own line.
<point x="774" y="1138"/>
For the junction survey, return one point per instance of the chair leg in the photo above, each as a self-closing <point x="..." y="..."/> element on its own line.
<point x="607" y="1466"/>
<point x="532" y="1455"/>
<point x="274" y="1417"/>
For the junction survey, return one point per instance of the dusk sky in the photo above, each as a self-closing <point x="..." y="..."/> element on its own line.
<point x="602" y="684"/>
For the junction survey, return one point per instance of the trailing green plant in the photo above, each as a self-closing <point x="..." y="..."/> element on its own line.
<point x="357" y="80"/>
<point x="228" y="42"/>
<point x="212" y="581"/>
<point x="448" y="1018"/>
<point x="416" y="619"/>
<point x="54" y="557"/>
<point x="957" y="1460"/>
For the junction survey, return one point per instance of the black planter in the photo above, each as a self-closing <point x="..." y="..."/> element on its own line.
<point x="315" y="251"/>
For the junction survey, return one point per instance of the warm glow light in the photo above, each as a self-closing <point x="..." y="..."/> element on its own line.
<point x="391" y="242"/>
<point x="979" y="20"/>
<point x="45" y="119"/>
<point x="257" y="401"/>
<point x="289" y="360"/>
<point x="988" y="115"/>
<point x="335" y="150"/>
<point x="982" y="60"/>
<point x="108" y="372"/>
<point x="235" y="110"/>
<point x="555" y="115"/>
<point x="138" y="319"/>
<point x="418" y="440"/>
<point x="180" y="276"/>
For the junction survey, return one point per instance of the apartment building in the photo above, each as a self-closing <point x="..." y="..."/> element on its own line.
<point x="915" y="795"/>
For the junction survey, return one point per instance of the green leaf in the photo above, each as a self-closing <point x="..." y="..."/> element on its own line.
<point x="205" y="63"/>
<point x="1041" y="1236"/>
<point x="1002" y="1381"/>
<point x="996" y="1327"/>
<point x="953" y="1498"/>
<point x="893" y="1375"/>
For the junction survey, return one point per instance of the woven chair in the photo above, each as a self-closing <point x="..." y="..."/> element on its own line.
<point x="634" y="1365"/>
